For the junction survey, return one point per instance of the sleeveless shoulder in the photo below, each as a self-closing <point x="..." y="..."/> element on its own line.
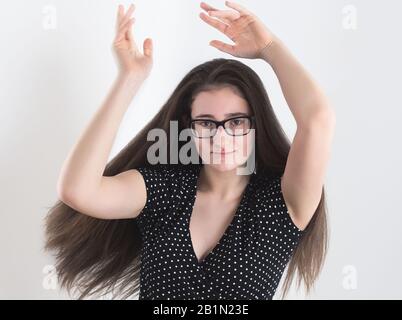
<point x="157" y="180"/>
<point x="163" y="182"/>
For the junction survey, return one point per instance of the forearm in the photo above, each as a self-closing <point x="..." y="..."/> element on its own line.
<point x="304" y="97"/>
<point x="83" y="168"/>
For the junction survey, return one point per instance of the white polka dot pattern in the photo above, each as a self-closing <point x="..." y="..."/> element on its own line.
<point x="247" y="262"/>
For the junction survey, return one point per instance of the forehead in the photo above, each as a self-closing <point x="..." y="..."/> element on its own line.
<point x="219" y="103"/>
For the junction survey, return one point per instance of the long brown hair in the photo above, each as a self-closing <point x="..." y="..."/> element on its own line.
<point x="97" y="256"/>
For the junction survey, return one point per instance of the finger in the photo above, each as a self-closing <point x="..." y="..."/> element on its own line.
<point x="210" y="9"/>
<point x="130" y="38"/>
<point x="214" y="23"/>
<point x="127" y="16"/>
<point x="148" y="47"/>
<point x="242" y="10"/>
<point x="226" y="21"/>
<point x="225" y="14"/>
<point x="122" y="36"/>
<point x="207" y="7"/>
<point x="120" y="13"/>
<point x="124" y="27"/>
<point x="223" y="46"/>
<point x="129" y="35"/>
<point x="122" y="30"/>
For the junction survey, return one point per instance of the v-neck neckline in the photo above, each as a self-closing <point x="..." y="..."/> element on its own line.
<point x="233" y="221"/>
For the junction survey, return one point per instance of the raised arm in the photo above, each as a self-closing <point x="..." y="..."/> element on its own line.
<point x="81" y="183"/>
<point x="310" y="151"/>
<point x="303" y="178"/>
<point x="306" y="100"/>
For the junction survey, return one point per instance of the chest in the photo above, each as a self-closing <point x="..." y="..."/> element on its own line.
<point x="209" y="220"/>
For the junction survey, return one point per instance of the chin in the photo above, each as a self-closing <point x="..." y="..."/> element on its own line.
<point x="223" y="167"/>
<point x="223" y="164"/>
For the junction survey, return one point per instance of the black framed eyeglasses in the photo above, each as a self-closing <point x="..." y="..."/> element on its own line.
<point x="236" y="126"/>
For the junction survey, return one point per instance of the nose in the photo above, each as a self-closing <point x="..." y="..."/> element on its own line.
<point x="220" y="131"/>
<point x="220" y="140"/>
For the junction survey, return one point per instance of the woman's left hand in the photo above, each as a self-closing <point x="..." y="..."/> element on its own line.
<point x="244" y="28"/>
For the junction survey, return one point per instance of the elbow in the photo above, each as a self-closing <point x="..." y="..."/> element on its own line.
<point x="327" y="115"/>
<point x="326" y="118"/>
<point x="72" y="199"/>
<point x="61" y="190"/>
<point x="65" y="195"/>
<point x="76" y="198"/>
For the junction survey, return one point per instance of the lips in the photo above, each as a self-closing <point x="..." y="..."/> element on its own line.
<point x="222" y="153"/>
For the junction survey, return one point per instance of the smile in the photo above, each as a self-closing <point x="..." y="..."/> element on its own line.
<point x="222" y="153"/>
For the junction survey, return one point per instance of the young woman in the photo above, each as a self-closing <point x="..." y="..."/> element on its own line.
<point x="199" y="230"/>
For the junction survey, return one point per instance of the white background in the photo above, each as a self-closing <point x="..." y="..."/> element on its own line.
<point x="56" y="68"/>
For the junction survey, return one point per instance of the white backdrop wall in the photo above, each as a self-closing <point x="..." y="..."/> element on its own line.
<point x="57" y="67"/>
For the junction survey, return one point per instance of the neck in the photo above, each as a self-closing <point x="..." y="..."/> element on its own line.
<point x="225" y="185"/>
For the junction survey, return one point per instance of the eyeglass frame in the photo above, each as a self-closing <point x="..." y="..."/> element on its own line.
<point x="222" y="123"/>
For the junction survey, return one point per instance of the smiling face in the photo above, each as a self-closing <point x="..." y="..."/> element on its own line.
<point x="223" y="151"/>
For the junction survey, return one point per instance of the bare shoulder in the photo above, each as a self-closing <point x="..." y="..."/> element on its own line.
<point x="121" y="196"/>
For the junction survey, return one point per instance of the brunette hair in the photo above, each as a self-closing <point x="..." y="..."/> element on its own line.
<point x="97" y="256"/>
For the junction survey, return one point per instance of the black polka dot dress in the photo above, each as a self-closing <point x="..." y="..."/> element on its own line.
<point x="247" y="262"/>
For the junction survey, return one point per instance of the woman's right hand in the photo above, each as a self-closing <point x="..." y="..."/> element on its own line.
<point x="130" y="60"/>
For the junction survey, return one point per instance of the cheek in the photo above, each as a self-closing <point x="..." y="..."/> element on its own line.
<point x="245" y="144"/>
<point x="203" y="146"/>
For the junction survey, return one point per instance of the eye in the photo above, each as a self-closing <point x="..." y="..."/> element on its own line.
<point x="236" y="122"/>
<point x="206" y="124"/>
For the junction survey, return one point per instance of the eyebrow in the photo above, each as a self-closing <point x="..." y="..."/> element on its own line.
<point x="233" y="114"/>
